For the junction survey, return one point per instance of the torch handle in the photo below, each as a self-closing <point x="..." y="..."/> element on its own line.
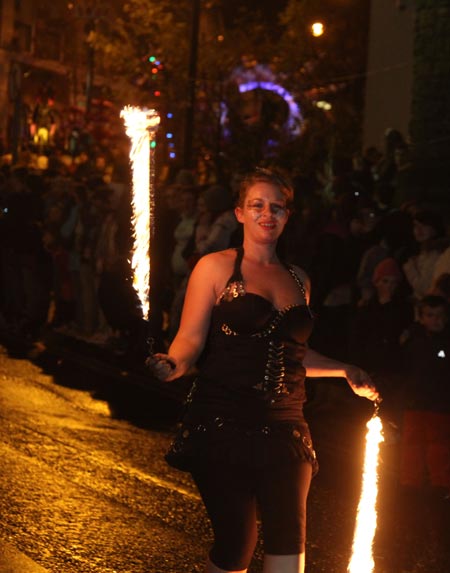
<point x="151" y="354"/>
<point x="376" y="405"/>
<point x="150" y="345"/>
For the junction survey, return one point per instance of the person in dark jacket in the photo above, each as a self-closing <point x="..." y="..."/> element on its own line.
<point x="424" y="469"/>
<point x="376" y="330"/>
<point x="425" y="455"/>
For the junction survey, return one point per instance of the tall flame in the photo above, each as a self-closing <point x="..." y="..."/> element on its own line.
<point x="141" y="125"/>
<point x="366" y="521"/>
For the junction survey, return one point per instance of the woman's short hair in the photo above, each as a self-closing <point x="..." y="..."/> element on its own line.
<point x="262" y="174"/>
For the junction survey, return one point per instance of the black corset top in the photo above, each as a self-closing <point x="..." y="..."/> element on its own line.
<point x="252" y="365"/>
<point x="241" y="313"/>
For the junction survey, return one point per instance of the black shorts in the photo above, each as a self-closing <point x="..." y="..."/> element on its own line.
<point x="235" y="496"/>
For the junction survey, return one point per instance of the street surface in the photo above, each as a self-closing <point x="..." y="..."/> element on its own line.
<point x="85" y="488"/>
<point x="84" y="492"/>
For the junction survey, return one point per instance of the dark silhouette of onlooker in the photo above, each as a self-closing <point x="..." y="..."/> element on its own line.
<point x="376" y="330"/>
<point x="386" y="167"/>
<point x="24" y="262"/>
<point x="424" y="472"/>
<point x="183" y="233"/>
<point x="339" y="249"/>
<point x="430" y="242"/>
<point x="426" y="426"/>
<point x="166" y="218"/>
<point x="214" y="230"/>
<point x="83" y="167"/>
<point x="395" y="239"/>
<point x="179" y="265"/>
<point x="118" y="301"/>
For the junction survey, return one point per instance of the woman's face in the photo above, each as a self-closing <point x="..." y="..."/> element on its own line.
<point x="433" y="319"/>
<point x="201" y="205"/>
<point x="263" y="213"/>
<point x="386" y="286"/>
<point x="188" y="204"/>
<point x="423" y="232"/>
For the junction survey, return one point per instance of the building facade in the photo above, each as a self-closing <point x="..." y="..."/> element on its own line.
<point x="45" y="74"/>
<point x="390" y="69"/>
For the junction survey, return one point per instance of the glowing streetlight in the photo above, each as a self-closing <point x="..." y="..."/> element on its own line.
<point x="317" y="29"/>
<point x="325" y="105"/>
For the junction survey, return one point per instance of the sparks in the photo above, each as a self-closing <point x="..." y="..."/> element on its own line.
<point x="141" y="125"/>
<point x="366" y="521"/>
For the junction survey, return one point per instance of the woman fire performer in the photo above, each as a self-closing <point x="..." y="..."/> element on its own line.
<point x="244" y="439"/>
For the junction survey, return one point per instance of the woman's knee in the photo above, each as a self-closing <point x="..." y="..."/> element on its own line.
<point x="231" y="507"/>
<point x="233" y="554"/>
<point x="211" y="567"/>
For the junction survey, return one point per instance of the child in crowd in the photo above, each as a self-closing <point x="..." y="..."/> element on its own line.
<point x="376" y="330"/>
<point x="426" y="418"/>
<point x="424" y="472"/>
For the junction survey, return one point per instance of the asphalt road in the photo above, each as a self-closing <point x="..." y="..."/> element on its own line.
<point x="85" y="488"/>
<point x="83" y="491"/>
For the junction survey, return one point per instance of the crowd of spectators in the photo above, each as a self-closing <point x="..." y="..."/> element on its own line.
<point x="64" y="241"/>
<point x="372" y="248"/>
<point x="66" y="238"/>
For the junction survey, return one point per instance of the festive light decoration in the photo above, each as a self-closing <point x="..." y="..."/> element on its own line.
<point x="141" y="126"/>
<point x="251" y="77"/>
<point x="295" y="117"/>
<point x="366" y="521"/>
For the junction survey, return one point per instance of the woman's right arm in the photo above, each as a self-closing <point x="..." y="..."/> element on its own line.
<point x="194" y="325"/>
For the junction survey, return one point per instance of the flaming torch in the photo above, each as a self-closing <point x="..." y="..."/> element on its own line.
<point x="366" y="521"/>
<point x="141" y="126"/>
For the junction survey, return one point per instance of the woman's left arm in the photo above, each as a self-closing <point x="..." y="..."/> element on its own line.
<point x="319" y="366"/>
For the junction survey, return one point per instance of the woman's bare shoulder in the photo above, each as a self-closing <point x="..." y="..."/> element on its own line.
<point x="220" y="260"/>
<point x="215" y="269"/>
<point x="216" y="265"/>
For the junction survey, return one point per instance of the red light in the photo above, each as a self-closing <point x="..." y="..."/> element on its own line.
<point x="157" y="93"/>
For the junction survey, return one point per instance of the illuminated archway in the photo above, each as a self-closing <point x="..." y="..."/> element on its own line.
<point x="294" y="120"/>
<point x="249" y="78"/>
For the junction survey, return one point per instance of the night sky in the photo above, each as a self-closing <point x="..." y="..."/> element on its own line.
<point x="270" y="8"/>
